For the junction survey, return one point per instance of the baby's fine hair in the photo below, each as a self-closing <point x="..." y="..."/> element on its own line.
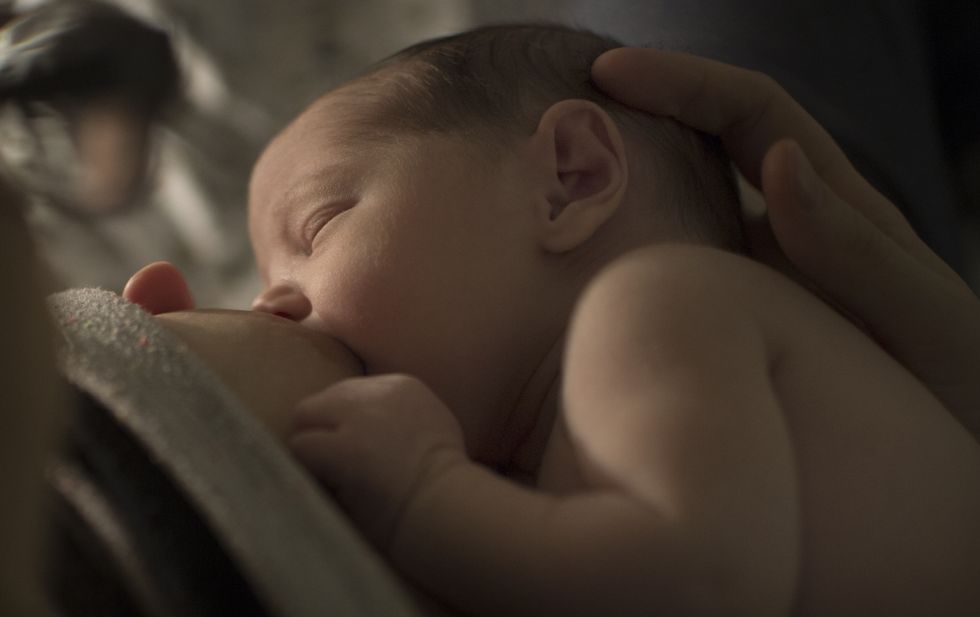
<point x="494" y="83"/>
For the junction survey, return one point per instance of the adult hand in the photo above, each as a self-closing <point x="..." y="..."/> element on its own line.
<point x="832" y="225"/>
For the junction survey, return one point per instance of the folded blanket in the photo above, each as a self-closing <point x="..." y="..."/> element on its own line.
<point x="294" y="547"/>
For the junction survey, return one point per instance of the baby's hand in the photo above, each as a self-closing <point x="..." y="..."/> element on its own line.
<point x="374" y="442"/>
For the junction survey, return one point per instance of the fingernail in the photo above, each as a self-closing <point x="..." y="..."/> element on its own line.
<point x="807" y="181"/>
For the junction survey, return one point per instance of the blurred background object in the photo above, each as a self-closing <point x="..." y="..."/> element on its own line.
<point x="951" y="29"/>
<point x="100" y="76"/>
<point x="248" y="66"/>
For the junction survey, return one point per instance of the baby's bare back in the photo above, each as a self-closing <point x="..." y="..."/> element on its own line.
<point x="886" y="482"/>
<point x="889" y="481"/>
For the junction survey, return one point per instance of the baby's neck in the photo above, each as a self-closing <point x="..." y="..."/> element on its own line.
<point x="532" y="420"/>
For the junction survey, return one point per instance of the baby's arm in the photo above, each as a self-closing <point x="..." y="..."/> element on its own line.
<point x="694" y="505"/>
<point x="669" y="397"/>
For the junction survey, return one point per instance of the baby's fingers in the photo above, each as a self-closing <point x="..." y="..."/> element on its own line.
<point x="323" y="454"/>
<point x="317" y="439"/>
<point x="328" y="408"/>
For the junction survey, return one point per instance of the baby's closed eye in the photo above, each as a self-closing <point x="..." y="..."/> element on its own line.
<point x="320" y="218"/>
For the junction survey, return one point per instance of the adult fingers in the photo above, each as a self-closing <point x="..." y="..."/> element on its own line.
<point x="746" y="108"/>
<point x="159" y="288"/>
<point x="761" y="242"/>
<point x="929" y="321"/>
<point x="750" y="112"/>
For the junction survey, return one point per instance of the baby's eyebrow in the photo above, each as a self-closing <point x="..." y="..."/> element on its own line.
<point x="325" y="179"/>
<point x="326" y="183"/>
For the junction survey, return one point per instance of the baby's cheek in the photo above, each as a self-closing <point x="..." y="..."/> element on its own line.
<point x="363" y="308"/>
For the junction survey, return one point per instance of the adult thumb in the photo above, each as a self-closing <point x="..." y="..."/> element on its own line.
<point x="159" y="288"/>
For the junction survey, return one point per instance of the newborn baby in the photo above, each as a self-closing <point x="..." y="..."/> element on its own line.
<point x="581" y="399"/>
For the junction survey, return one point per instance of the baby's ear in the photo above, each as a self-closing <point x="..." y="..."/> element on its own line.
<point x="585" y="173"/>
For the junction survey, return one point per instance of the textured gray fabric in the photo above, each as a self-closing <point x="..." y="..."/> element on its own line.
<point x="300" y="555"/>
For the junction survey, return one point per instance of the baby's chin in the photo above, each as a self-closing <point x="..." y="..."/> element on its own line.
<point x="269" y="362"/>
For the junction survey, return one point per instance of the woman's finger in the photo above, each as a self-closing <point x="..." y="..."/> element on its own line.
<point x="159" y="288"/>
<point x="922" y="317"/>
<point x="749" y="112"/>
<point x="746" y="108"/>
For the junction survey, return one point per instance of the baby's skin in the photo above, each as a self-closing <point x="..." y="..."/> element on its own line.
<point x="685" y="431"/>
<point x="780" y="435"/>
<point x="563" y="414"/>
<point x="269" y="363"/>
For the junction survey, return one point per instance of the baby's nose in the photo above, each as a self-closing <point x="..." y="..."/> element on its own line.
<point x="284" y="300"/>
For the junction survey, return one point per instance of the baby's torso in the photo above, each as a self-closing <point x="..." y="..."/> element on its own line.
<point x="889" y="481"/>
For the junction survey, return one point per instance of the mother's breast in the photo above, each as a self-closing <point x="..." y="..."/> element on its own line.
<point x="268" y="362"/>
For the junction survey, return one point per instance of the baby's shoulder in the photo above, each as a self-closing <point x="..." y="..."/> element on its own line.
<point x="675" y="288"/>
<point x="677" y="275"/>
<point x="677" y="300"/>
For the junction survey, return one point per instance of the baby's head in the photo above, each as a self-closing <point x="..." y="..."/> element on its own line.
<point x="493" y="85"/>
<point x="441" y="213"/>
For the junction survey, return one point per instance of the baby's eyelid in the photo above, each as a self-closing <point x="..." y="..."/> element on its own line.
<point x="311" y="228"/>
<point x="319" y="218"/>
